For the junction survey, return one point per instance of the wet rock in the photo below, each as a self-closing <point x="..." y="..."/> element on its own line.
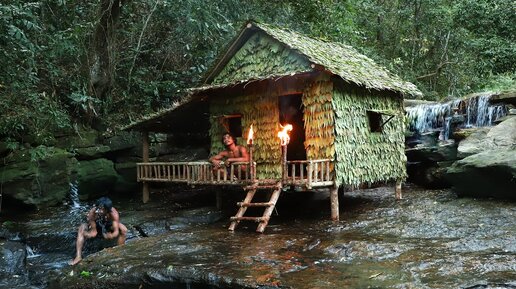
<point x="501" y="136"/>
<point x="123" y="141"/>
<point x="126" y="181"/>
<point x="488" y="174"/>
<point x="38" y="177"/>
<point x="507" y="97"/>
<point x="82" y="139"/>
<point x="356" y="250"/>
<point x="95" y="178"/>
<point x="12" y="259"/>
<point x="90" y="153"/>
<point x="438" y="153"/>
<point x="429" y="175"/>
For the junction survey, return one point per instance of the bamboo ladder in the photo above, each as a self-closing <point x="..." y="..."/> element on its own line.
<point x="269" y="206"/>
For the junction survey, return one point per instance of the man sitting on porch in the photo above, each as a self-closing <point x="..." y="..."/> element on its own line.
<point x="233" y="153"/>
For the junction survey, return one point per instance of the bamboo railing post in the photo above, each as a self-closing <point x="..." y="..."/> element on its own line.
<point x="309" y="173"/>
<point x="145" y="157"/>
<point x="327" y="171"/>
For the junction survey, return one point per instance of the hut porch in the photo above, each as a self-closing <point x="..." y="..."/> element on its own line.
<point x="306" y="174"/>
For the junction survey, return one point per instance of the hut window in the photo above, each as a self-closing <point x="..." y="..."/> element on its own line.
<point x="233" y="124"/>
<point x="375" y="121"/>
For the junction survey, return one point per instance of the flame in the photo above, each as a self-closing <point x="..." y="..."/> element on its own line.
<point x="283" y="134"/>
<point x="250" y="136"/>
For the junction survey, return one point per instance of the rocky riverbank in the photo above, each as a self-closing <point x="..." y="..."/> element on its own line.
<point x="431" y="239"/>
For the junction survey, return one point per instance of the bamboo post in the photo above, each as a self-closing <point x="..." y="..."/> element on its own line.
<point x="145" y="156"/>
<point x="398" y="190"/>
<point x="218" y="196"/>
<point x="334" y="198"/>
<point x="284" y="163"/>
<point x="251" y="161"/>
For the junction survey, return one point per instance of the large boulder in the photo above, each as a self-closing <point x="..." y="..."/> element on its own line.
<point x="487" y="174"/>
<point x="83" y="139"/>
<point x="429" y="175"/>
<point x="502" y="136"/>
<point x="438" y="153"/>
<point x="95" y="178"/>
<point x="123" y="141"/>
<point x="12" y="259"/>
<point x="38" y="176"/>
<point x="506" y="97"/>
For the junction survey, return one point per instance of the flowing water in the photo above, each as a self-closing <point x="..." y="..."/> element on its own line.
<point x="430" y="239"/>
<point x="477" y="112"/>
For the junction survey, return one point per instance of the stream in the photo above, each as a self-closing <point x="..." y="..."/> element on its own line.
<point x="430" y="239"/>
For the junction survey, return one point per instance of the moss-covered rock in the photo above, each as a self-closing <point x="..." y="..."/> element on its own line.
<point x="95" y="178"/>
<point x="82" y="139"/>
<point x="123" y="141"/>
<point x="488" y="174"/>
<point x="90" y="153"/>
<point x="39" y="177"/>
<point x="126" y="181"/>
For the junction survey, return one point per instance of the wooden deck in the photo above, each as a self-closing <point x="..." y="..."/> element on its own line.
<point x="307" y="174"/>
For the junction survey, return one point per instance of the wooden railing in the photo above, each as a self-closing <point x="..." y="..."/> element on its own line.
<point x="194" y="173"/>
<point x="306" y="173"/>
<point x="310" y="173"/>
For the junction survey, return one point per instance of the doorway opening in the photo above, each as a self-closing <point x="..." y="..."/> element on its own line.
<point x="291" y="111"/>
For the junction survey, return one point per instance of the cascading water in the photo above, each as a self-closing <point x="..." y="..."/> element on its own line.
<point x="74" y="195"/>
<point x="438" y="117"/>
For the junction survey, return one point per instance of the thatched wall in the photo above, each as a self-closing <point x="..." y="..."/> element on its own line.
<point x="260" y="57"/>
<point x="260" y="110"/>
<point x="319" y="121"/>
<point x="362" y="156"/>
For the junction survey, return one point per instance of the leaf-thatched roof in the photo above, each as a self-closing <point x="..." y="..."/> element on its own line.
<point x="337" y="58"/>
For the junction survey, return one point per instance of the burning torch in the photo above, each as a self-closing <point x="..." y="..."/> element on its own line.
<point x="285" y="139"/>
<point x="250" y="136"/>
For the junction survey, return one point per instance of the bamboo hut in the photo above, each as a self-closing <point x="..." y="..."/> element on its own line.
<point x="346" y="112"/>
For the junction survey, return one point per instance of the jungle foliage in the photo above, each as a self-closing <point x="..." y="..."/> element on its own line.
<point x="106" y="62"/>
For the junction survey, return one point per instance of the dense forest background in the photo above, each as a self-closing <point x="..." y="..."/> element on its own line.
<point x="68" y="63"/>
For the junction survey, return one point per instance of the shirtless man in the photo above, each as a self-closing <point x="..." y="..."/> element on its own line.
<point x="103" y="219"/>
<point x="232" y="153"/>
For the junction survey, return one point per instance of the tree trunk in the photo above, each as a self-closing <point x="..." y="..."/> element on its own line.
<point x="102" y="67"/>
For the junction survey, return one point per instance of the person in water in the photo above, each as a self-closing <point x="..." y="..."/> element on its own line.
<point x="232" y="153"/>
<point x="102" y="220"/>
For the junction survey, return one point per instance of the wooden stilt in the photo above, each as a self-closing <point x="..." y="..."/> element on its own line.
<point x="398" y="190"/>
<point x="334" y="198"/>
<point x="145" y="158"/>
<point x="218" y="196"/>
<point x="145" y="189"/>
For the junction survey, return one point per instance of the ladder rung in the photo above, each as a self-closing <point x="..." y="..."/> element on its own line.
<point x="256" y="219"/>
<point x="261" y="187"/>
<point x="242" y="204"/>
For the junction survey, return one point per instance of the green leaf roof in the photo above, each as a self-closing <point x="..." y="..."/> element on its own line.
<point x="337" y="58"/>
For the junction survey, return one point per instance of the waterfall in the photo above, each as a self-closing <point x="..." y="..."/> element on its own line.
<point x="439" y="117"/>
<point x="74" y="195"/>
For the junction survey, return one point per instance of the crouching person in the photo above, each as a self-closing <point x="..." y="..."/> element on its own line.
<point x="102" y="221"/>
